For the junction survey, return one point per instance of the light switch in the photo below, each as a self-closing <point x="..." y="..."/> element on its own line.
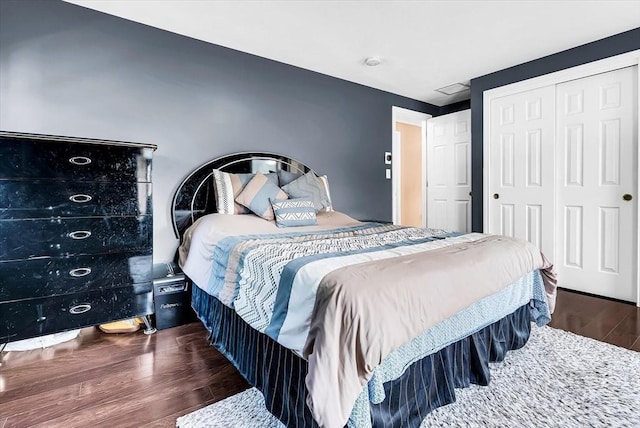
<point x="387" y="174"/>
<point x="387" y="158"/>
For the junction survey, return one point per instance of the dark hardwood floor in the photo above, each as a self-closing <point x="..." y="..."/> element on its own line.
<point x="134" y="380"/>
<point x="605" y="320"/>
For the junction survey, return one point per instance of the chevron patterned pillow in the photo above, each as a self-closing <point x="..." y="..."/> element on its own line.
<point x="294" y="212"/>
<point x="309" y="186"/>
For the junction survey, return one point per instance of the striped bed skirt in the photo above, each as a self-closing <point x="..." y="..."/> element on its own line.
<point x="426" y="385"/>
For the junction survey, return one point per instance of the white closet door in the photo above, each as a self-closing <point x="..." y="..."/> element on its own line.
<point x="597" y="165"/>
<point x="521" y="199"/>
<point x="449" y="172"/>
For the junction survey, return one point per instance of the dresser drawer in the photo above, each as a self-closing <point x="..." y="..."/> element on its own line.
<point x="28" y="158"/>
<point x="23" y="279"/>
<point x="44" y="199"/>
<point x="55" y="237"/>
<point x="36" y="317"/>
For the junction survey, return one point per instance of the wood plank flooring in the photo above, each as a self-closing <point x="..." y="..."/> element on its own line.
<point x="606" y="320"/>
<point x="134" y="380"/>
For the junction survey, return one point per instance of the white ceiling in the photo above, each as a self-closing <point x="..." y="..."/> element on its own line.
<point x="424" y="45"/>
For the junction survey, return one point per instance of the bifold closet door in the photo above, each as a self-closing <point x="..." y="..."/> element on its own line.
<point x="449" y="172"/>
<point x="521" y="199"/>
<point x="597" y="176"/>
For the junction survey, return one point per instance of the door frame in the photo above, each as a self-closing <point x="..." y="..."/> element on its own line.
<point x="399" y="114"/>
<point x="627" y="59"/>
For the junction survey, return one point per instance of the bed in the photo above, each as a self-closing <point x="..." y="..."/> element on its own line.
<point x="340" y="322"/>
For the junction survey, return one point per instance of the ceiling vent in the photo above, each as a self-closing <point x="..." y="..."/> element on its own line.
<point x="456" y="88"/>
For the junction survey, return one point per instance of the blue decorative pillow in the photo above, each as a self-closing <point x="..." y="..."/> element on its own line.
<point x="286" y="177"/>
<point x="257" y="195"/>
<point x="294" y="212"/>
<point x="309" y="186"/>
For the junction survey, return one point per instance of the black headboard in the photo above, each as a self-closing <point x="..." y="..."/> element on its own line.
<point x="195" y="196"/>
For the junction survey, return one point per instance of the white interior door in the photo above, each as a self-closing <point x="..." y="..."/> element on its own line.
<point x="597" y="171"/>
<point x="521" y="199"/>
<point x="449" y="171"/>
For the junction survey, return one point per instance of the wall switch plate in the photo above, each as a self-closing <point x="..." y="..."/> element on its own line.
<point x="387" y="158"/>
<point x="387" y="174"/>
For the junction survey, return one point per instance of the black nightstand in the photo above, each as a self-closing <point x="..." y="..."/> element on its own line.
<point x="171" y="296"/>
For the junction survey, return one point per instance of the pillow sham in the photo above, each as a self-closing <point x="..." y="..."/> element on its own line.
<point x="257" y="195"/>
<point x="325" y="182"/>
<point x="294" y="212"/>
<point x="309" y="186"/>
<point x="227" y="186"/>
<point x="286" y="177"/>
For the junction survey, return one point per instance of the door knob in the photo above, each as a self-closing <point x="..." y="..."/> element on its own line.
<point x="496" y="196"/>
<point x="627" y="197"/>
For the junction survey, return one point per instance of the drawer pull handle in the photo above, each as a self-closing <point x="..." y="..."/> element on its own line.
<point x="79" y="234"/>
<point x="80" y="309"/>
<point x="80" y="160"/>
<point x="79" y="272"/>
<point x="80" y="198"/>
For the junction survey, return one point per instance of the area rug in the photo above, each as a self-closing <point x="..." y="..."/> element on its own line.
<point x="558" y="379"/>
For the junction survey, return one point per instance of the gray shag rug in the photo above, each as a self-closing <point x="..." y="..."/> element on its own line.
<point x="558" y="379"/>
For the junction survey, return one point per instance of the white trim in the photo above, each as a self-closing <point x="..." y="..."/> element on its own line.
<point x="424" y="173"/>
<point x="627" y="59"/>
<point x="396" y="177"/>
<point x="411" y="117"/>
<point x="589" y="69"/>
<point x="638" y="196"/>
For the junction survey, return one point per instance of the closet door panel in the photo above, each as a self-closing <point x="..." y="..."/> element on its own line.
<point x="597" y="165"/>
<point x="521" y="201"/>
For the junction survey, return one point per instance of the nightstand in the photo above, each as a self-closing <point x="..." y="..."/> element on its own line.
<point x="171" y="296"/>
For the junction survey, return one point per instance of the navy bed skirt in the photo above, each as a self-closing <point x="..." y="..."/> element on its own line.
<point x="426" y="385"/>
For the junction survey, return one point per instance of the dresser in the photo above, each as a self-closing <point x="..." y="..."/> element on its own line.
<point x="76" y="236"/>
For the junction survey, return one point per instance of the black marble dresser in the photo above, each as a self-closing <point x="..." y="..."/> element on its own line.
<point x="75" y="233"/>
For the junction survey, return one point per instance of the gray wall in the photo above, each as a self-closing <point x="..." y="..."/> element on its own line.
<point x="604" y="48"/>
<point x="67" y="70"/>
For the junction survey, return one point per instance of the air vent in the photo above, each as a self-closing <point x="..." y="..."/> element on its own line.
<point x="456" y="88"/>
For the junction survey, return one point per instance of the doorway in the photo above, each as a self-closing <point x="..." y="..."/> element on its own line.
<point x="408" y="167"/>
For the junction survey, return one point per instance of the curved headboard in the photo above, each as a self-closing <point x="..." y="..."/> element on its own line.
<point x="195" y="196"/>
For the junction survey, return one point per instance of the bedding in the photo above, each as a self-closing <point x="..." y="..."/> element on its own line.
<point x="196" y="253"/>
<point x="430" y="381"/>
<point x="257" y="195"/>
<point x="227" y="186"/>
<point x="310" y="291"/>
<point x="286" y="177"/>
<point x="294" y="212"/>
<point x="309" y="186"/>
<point x="325" y="184"/>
